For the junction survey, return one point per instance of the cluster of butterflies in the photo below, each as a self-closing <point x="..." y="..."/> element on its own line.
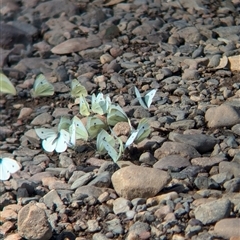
<point x="68" y="131"/>
<point x="101" y="115"/>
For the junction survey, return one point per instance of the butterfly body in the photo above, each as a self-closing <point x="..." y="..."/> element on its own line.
<point x="7" y="166"/>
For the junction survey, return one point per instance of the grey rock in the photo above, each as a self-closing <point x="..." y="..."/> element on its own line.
<point x="121" y="205"/>
<point x="93" y="226"/>
<point x="213" y="211"/>
<point x="87" y="177"/>
<point x="202" y="143"/>
<point x="102" y="179"/>
<point x="147" y="158"/>
<point x="175" y="161"/>
<point x="232" y="185"/>
<point x="52" y="200"/>
<point x="175" y="148"/>
<point x="202" y="182"/>
<point x="183" y="124"/>
<point x="230" y="167"/>
<point x="99" y="236"/>
<point x="115" y="226"/>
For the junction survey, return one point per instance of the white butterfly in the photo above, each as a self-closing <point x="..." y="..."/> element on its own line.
<point x="111" y="150"/>
<point x="7" y="166"/>
<point x="77" y="130"/>
<point x="115" y="115"/>
<point x="42" y="87"/>
<point x="6" y="85"/>
<point x="77" y="89"/>
<point x="142" y="132"/>
<point x="84" y="109"/>
<point x="101" y="137"/>
<point x="145" y="101"/>
<point x="100" y="104"/>
<point x="94" y="126"/>
<point x="53" y="140"/>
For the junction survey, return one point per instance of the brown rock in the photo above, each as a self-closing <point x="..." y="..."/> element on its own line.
<point x="135" y="181"/>
<point x="77" y="44"/>
<point x="33" y="224"/>
<point x="227" y="228"/>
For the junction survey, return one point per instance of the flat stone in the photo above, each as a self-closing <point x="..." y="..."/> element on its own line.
<point x="202" y="143"/>
<point x="175" y="161"/>
<point x="222" y="116"/>
<point x="213" y="211"/>
<point x="77" y="44"/>
<point x="227" y="228"/>
<point x="175" y="148"/>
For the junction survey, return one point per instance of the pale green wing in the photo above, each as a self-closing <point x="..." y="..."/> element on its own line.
<point x="42" y="87"/>
<point x="115" y="115"/>
<point x="77" y="89"/>
<point x="6" y="86"/>
<point x="143" y="130"/>
<point x="94" y="126"/>
<point x="80" y="130"/>
<point x="83" y="106"/>
<point x="64" y="123"/>
<point x="111" y="151"/>
<point x="95" y="105"/>
<point x="104" y="136"/>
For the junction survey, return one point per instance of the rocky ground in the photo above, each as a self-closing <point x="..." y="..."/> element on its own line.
<point x="181" y="183"/>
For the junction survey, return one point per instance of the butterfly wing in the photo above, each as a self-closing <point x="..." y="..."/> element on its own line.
<point x="7" y="166"/>
<point x="77" y="89"/>
<point x="94" y="126"/>
<point x="42" y="87"/>
<point x="6" y="86"/>
<point x="64" y="123"/>
<point x="83" y="106"/>
<point x="50" y="143"/>
<point x="44" y="133"/>
<point x="111" y="151"/>
<point x="62" y="141"/>
<point x="80" y="130"/>
<point x="149" y="97"/>
<point x="95" y="105"/>
<point x="131" y="138"/>
<point x="101" y="137"/>
<point x="72" y="130"/>
<point x="115" y="115"/>
<point x="143" y="130"/>
<point x="140" y="99"/>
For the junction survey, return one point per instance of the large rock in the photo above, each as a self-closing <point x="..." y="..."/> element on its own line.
<point x="33" y="223"/>
<point x="136" y="181"/>
<point x="213" y="211"/>
<point x="227" y="228"/>
<point x="222" y="116"/>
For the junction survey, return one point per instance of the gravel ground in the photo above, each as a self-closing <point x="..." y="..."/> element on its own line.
<point x="182" y="182"/>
